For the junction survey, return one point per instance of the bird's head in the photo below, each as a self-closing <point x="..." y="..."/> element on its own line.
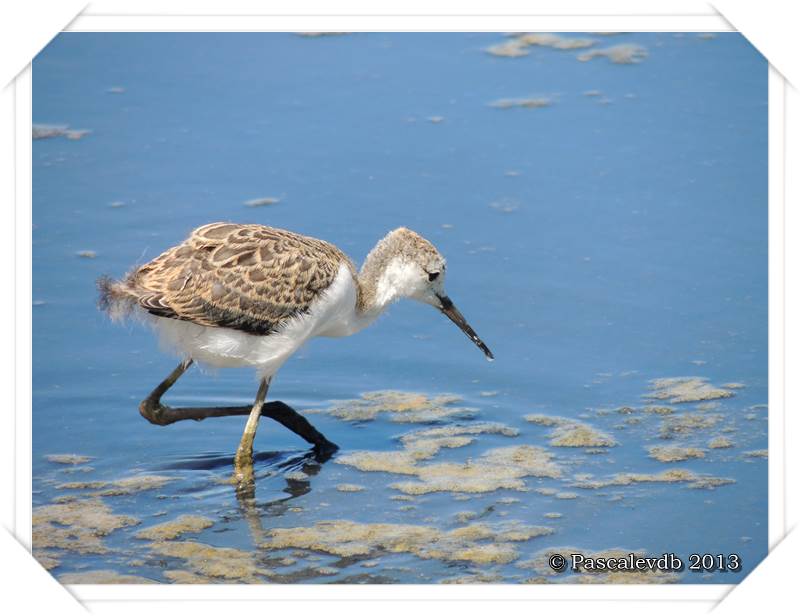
<point x="415" y="269"/>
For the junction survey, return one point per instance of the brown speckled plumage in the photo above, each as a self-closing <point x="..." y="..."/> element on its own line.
<point x="245" y="277"/>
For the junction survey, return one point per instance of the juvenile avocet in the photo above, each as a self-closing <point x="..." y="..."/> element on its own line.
<point x="248" y="295"/>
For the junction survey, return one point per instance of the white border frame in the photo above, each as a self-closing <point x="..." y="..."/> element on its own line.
<point x="697" y="22"/>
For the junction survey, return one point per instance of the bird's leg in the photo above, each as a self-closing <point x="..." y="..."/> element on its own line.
<point x="243" y="461"/>
<point x="151" y="408"/>
<point x="160" y="414"/>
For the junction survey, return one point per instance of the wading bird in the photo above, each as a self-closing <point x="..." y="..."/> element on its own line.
<point x="249" y="295"/>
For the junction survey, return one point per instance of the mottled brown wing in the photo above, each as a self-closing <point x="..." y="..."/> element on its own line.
<point x="246" y="277"/>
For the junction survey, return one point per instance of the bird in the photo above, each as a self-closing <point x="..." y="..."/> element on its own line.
<point x="234" y="295"/>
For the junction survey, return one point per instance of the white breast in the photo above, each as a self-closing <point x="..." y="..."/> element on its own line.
<point x="333" y="314"/>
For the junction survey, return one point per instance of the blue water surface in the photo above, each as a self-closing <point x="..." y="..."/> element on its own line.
<point x="599" y="242"/>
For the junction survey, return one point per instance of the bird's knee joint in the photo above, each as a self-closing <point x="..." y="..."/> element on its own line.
<point x="153" y="411"/>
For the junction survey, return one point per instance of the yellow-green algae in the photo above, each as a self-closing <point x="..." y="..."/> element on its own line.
<point x="676" y="475"/>
<point x="580" y="435"/>
<point x="262" y="201"/>
<point x="720" y="442"/>
<point x="531" y="102"/>
<point x="547" y="420"/>
<point x="102" y="576"/>
<point x="213" y="563"/>
<point x="675" y="454"/>
<point x="517" y="45"/>
<point x="756" y="453"/>
<point x="47" y="131"/>
<point x="424" y="444"/>
<point x="402" y="407"/>
<point x="67" y="458"/>
<point x="350" y="487"/>
<point x="119" y="487"/>
<point x="495" y="469"/>
<point x="686" y="389"/>
<point x="77" y="526"/>
<point x="626" y="53"/>
<point x="572" y="433"/>
<point x="658" y="410"/>
<point x="477" y="543"/>
<point x="503" y="467"/>
<point x="682" y="425"/>
<point x="175" y="528"/>
<point x="48" y="560"/>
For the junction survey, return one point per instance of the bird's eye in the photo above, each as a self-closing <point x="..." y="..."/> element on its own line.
<point x="433" y="276"/>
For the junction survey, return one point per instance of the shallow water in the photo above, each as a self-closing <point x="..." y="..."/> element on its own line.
<point x="615" y="235"/>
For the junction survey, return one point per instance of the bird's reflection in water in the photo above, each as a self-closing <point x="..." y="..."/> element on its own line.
<point x="308" y="464"/>
<point x="296" y="468"/>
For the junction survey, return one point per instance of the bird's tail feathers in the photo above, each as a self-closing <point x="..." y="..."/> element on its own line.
<point x="115" y="298"/>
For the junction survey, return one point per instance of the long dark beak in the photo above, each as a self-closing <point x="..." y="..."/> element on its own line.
<point x="452" y="313"/>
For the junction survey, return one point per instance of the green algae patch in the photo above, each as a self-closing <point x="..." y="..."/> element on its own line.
<point x="720" y="442"/>
<point x="67" y="458"/>
<point x="709" y="483"/>
<point x="119" y="487"/>
<point x="478" y="543"/>
<point x="580" y="435"/>
<point x="626" y="53"/>
<point x="686" y="389"/>
<point x="540" y="564"/>
<point x="424" y="444"/>
<point x="658" y="410"/>
<point x="495" y="469"/>
<point x="211" y="563"/>
<point x="424" y="449"/>
<point x="500" y="468"/>
<point x="531" y="102"/>
<point x="51" y="131"/>
<point x="548" y="420"/>
<point x="517" y="46"/>
<point x="103" y="576"/>
<point x="756" y="453"/>
<point x="693" y="480"/>
<point x="350" y="487"/>
<point x="402" y="407"/>
<point x="181" y="576"/>
<point x="682" y="425"/>
<point x="48" y="560"/>
<point x="77" y="526"/>
<point x="571" y="433"/>
<point x="675" y="454"/>
<point x="472" y="429"/>
<point x="398" y="462"/>
<point x="175" y="528"/>
<point x="262" y="201"/>
<point x="566" y="495"/>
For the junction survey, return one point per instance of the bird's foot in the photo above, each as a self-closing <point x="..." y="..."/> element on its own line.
<point x="324" y="449"/>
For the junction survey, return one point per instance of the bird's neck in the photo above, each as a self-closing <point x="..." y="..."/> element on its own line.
<point x="380" y="280"/>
